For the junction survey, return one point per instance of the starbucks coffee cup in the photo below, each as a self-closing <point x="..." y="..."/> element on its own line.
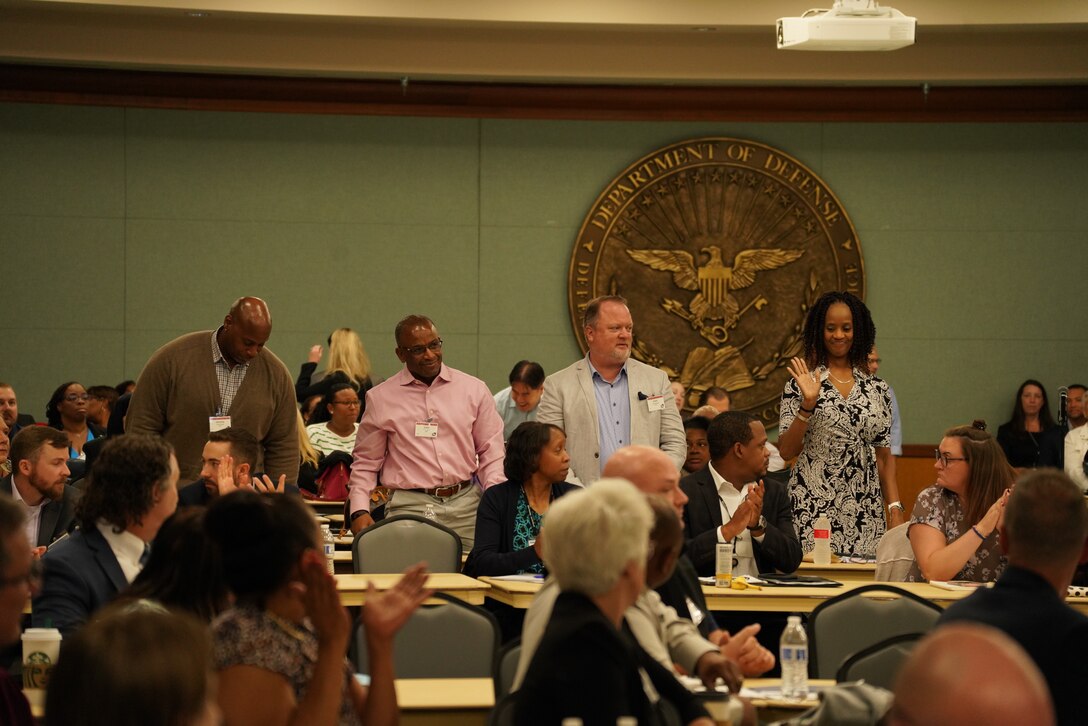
<point x="41" y="647"/>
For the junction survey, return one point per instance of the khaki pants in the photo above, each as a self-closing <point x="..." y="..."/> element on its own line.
<point x="457" y="512"/>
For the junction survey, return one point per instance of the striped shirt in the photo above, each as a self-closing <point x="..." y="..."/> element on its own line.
<point x="326" y="442"/>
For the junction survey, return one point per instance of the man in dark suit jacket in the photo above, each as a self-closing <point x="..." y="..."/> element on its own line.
<point x="39" y="470"/>
<point x="133" y="491"/>
<point x="1044" y="537"/>
<point x="760" y="517"/>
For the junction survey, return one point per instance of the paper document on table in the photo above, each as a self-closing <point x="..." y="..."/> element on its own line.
<point x="959" y="584"/>
<point x="520" y="578"/>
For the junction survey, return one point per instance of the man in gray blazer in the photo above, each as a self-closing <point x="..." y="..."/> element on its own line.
<point x="39" y="472"/>
<point x="608" y="400"/>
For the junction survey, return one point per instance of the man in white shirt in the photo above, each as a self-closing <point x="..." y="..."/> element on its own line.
<point x="38" y="479"/>
<point x="133" y="491"/>
<point x="1076" y="441"/>
<point x="729" y="501"/>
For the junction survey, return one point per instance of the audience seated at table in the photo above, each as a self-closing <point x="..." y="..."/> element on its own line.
<point x="1044" y="534"/>
<point x="184" y="571"/>
<point x="134" y="666"/>
<point x="280" y="652"/>
<point x="674" y="642"/>
<point x="953" y="528"/>
<point x="654" y="474"/>
<point x="132" y="491"/>
<point x="509" y="516"/>
<point x="1031" y="438"/>
<point x="67" y="412"/>
<point x="587" y="664"/>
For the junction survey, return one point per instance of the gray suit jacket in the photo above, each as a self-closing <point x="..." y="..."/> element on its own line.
<point x="57" y="517"/>
<point x="569" y="403"/>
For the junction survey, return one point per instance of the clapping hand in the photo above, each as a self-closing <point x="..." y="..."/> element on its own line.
<point x="322" y="601"/>
<point x="755" y="498"/>
<point x="265" y="485"/>
<point x="224" y="475"/>
<point x="384" y="613"/>
<point x="743" y="648"/>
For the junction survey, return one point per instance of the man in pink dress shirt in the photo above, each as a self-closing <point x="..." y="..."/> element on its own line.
<point x="432" y="435"/>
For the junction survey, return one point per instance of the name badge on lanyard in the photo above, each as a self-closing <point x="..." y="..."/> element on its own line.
<point x="218" y="423"/>
<point x="426" y="430"/>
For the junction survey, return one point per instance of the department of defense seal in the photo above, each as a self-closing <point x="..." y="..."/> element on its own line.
<point x="720" y="246"/>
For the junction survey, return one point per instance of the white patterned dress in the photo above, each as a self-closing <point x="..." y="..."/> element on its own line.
<point x="836" y="472"/>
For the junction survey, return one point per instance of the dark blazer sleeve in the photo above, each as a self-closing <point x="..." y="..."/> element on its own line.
<point x="58" y="517"/>
<point x="582" y="668"/>
<point x="302" y="383"/>
<point x="780" y="549"/>
<point x="66" y="599"/>
<point x="493" y="552"/>
<point x="666" y="684"/>
<point x="702" y="517"/>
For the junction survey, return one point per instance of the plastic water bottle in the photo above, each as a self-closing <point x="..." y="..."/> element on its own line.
<point x="793" y="655"/>
<point x="329" y="545"/>
<point x="821" y="537"/>
<point x="428" y="512"/>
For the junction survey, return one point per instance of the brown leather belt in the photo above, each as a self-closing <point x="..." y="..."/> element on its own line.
<point x="447" y="491"/>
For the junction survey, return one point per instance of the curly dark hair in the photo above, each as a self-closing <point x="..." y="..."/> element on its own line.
<point x="1046" y="421"/>
<point x="260" y="540"/>
<point x="321" y="410"/>
<point x="523" y="449"/>
<point x="52" y="409"/>
<point x="123" y="482"/>
<point x="864" y="330"/>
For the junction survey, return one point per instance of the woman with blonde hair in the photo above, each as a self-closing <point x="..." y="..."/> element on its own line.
<point x="953" y="528"/>
<point x="348" y="363"/>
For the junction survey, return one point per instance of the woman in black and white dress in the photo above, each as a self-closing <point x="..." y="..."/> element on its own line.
<point x="836" y="419"/>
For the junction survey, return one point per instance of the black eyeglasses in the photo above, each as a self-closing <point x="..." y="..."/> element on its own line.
<point x="33" y="577"/>
<point x="417" y="350"/>
<point x="945" y="459"/>
<point x="73" y="397"/>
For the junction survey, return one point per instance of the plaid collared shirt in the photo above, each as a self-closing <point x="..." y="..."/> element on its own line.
<point x="230" y="379"/>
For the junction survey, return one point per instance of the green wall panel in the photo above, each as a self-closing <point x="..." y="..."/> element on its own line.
<point x="120" y="229"/>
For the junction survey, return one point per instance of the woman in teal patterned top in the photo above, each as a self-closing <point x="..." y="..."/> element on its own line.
<point x="509" y="515"/>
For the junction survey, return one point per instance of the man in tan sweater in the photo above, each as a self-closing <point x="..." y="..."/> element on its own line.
<point x="210" y="380"/>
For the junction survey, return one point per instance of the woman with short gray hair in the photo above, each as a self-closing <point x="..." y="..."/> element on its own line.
<point x="588" y="664"/>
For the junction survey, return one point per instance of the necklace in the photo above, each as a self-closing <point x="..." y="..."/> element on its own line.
<point x="839" y="380"/>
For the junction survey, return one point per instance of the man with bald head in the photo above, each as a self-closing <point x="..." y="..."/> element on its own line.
<point x="654" y="473"/>
<point x="968" y="674"/>
<point x="212" y="379"/>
